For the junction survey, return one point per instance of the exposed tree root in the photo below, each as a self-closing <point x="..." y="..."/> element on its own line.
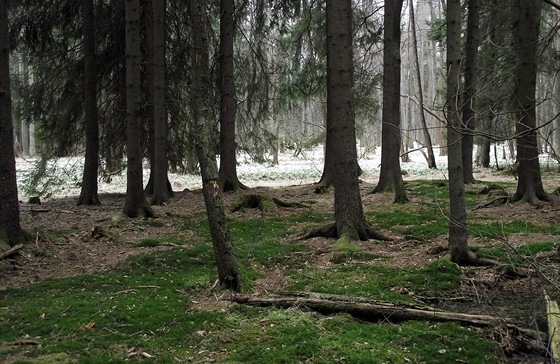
<point x="325" y="231"/>
<point x="281" y="203"/>
<point x="363" y="233"/>
<point x="232" y="185"/>
<point x="321" y="188"/>
<point x="261" y="202"/>
<point x="472" y="260"/>
<point x="90" y="200"/>
<point x="533" y="199"/>
<point x="145" y="211"/>
<point x="495" y="202"/>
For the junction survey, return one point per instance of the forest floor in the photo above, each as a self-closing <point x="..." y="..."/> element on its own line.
<point x="70" y="240"/>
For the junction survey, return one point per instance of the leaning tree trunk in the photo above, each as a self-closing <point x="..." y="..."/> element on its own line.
<point x="470" y="89"/>
<point x="526" y="37"/>
<point x="458" y="233"/>
<point x="229" y="272"/>
<point x="135" y="202"/>
<point x="229" y="180"/>
<point x="88" y="194"/>
<point x="10" y="228"/>
<point x="390" y="176"/>
<point x="427" y="138"/>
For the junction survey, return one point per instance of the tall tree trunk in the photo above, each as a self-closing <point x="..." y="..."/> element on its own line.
<point x="390" y="177"/>
<point x="162" y="186"/>
<point x="135" y="201"/>
<point x="229" y="272"/>
<point x="526" y="37"/>
<point x="427" y="138"/>
<point x="458" y="233"/>
<point x="88" y="194"/>
<point x="349" y="216"/>
<point x="10" y="228"/>
<point x="147" y="22"/>
<point x="470" y="89"/>
<point x="556" y="99"/>
<point x="228" y="161"/>
<point x="556" y="96"/>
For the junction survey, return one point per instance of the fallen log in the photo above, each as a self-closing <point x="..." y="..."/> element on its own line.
<point x="511" y="337"/>
<point x="371" y="311"/>
<point x="11" y="251"/>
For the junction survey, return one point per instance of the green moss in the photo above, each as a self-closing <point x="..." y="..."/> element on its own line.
<point x="383" y="283"/>
<point x="344" y="244"/>
<point x="515" y="258"/>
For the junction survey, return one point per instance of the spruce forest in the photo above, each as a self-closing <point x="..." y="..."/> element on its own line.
<point x="150" y="210"/>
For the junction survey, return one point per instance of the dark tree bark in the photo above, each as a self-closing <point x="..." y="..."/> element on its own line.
<point x="229" y="272"/>
<point x="135" y="201"/>
<point x="228" y="162"/>
<point x="10" y="228"/>
<point x="525" y="37"/>
<point x="326" y="180"/>
<point x="88" y="193"/>
<point x="427" y="138"/>
<point x="147" y="22"/>
<point x="162" y="186"/>
<point x="458" y="233"/>
<point x="350" y="222"/>
<point x="484" y="153"/>
<point x="390" y="176"/>
<point x="470" y="89"/>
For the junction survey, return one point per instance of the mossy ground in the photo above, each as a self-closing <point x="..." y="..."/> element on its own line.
<point x="162" y="305"/>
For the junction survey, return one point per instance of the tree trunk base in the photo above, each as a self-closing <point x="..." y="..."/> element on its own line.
<point x="364" y="233"/>
<point x="232" y="185"/>
<point x="531" y="198"/>
<point x="322" y="187"/>
<point x="89" y="199"/>
<point x="145" y="211"/>
<point x="261" y="202"/>
<point x="469" y="180"/>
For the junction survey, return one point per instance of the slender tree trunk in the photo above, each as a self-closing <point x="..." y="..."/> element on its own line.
<point x="458" y="233"/>
<point x="556" y="99"/>
<point x="10" y="228"/>
<point x="427" y="138"/>
<point x="135" y="202"/>
<point x="470" y="89"/>
<point x="162" y="186"/>
<point x="390" y="177"/>
<point x="526" y="36"/>
<point x="88" y="194"/>
<point x="556" y="95"/>
<point x="229" y="272"/>
<point x="228" y="161"/>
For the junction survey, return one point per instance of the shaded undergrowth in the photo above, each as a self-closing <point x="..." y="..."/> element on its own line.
<point x="162" y="307"/>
